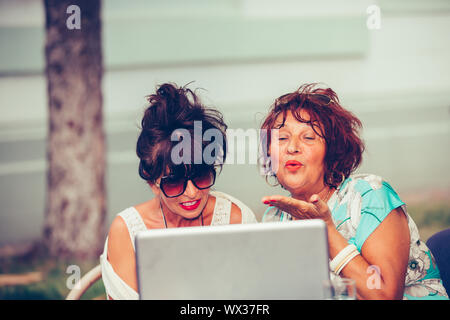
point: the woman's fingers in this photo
(297, 208)
(321, 206)
(272, 199)
(316, 208)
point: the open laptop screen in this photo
(246, 261)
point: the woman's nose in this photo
(191, 190)
(293, 146)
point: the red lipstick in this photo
(293, 165)
(190, 205)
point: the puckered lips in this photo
(190, 205)
(293, 165)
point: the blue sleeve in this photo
(376, 205)
(272, 214)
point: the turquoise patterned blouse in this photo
(358, 207)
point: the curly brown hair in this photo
(339, 128)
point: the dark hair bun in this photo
(171, 108)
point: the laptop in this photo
(260, 261)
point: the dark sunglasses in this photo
(174, 185)
(316, 98)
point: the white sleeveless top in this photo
(115, 287)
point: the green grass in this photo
(53, 286)
(430, 217)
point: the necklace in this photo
(164, 217)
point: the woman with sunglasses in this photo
(313, 151)
(182, 189)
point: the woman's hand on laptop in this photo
(315, 208)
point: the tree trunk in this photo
(76, 195)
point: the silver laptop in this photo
(234, 262)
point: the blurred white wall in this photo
(396, 79)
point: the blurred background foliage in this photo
(50, 280)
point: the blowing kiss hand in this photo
(315, 208)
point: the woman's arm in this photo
(121, 253)
(386, 249)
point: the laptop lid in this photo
(245, 261)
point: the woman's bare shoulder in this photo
(235, 214)
(118, 238)
(121, 252)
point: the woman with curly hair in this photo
(313, 147)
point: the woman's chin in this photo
(191, 213)
(292, 186)
(188, 214)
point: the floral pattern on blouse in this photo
(358, 206)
